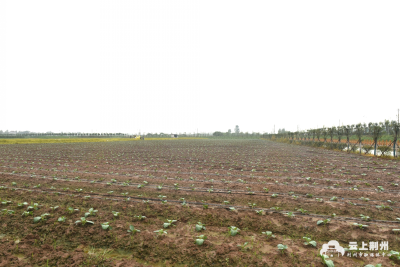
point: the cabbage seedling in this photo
(140, 217)
(27, 213)
(361, 226)
(328, 263)
(35, 206)
(200, 226)
(160, 232)
(309, 241)
(83, 221)
(333, 199)
(71, 210)
(243, 247)
(268, 234)
(364, 218)
(371, 265)
(91, 212)
(54, 208)
(20, 205)
(169, 223)
(290, 214)
(259, 212)
(133, 230)
(233, 230)
(324, 222)
(274, 195)
(282, 248)
(106, 226)
(40, 218)
(61, 219)
(200, 240)
(115, 213)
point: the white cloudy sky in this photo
(179, 66)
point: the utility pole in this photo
(274, 128)
(397, 115)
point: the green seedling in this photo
(35, 206)
(243, 247)
(359, 225)
(232, 208)
(71, 210)
(333, 199)
(371, 265)
(159, 187)
(115, 213)
(110, 192)
(169, 223)
(282, 248)
(324, 222)
(41, 218)
(226, 202)
(200, 227)
(54, 208)
(91, 212)
(290, 214)
(140, 217)
(333, 215)
(380, 189)
(106, 226)
(268, 234)
(265, 190)
(309, 195)
(133, 230)
(200, 240)
(308, 178)
(83, 221)
(61, 219)
(364, 199)
(365, 218)
(274, 195)
(161, 231)
(384, 207)
(276, 208)
(328, 263)
(20, 205)
(309, 241)
(233, 230)
(259, 212)
(319, 200)
(303, 211)
(27, 213)
(252, 205)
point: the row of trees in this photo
(358, 132)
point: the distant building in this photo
(174, 136)
(12, 132)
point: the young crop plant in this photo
(61, 219)
(83, 221)
(383, 207)
(20, 205)
(200, 240)
(159, 187)
(309, 241)
(243, 247)
(35, 206)
(371, 265)
(233, 230)
(303, 211)
(115, 213)
(334, 198)
(319, 200)
(364, 199)
(133, 230)
(309, 195)
(282, 248)
(290, 214)
(359, 225)
(71, 210)
(379, 189)
(161, 232)
(200, 227)
(259, 212)
(365, 218)
(252, 205)
(268, 234)
(324, 222)
(169, 223)
(325, 260)
(41, 217)
(91, 212)
(27, 213)
(140, 217)
(274, 195)
(106, 226)
(265, 190)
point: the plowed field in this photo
(255, 185)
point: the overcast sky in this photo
(179, 66)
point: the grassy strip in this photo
(79, 140)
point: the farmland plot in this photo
(192, 203)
